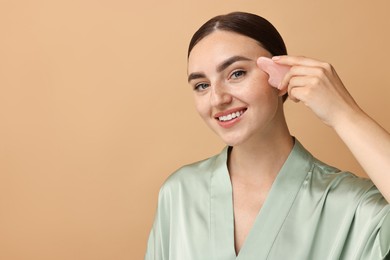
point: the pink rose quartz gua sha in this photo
(275, 71)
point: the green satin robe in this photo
(313, 211)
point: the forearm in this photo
(318, 86)
(370, 144)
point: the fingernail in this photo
(275, 58)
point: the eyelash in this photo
(234, 74)
(203, 86)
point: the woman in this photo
(264, 196)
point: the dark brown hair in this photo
(247, 24)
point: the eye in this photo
(201, 86)
(238, 74)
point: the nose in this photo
(220, 95)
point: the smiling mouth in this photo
(231, 116)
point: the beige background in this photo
(95, 111)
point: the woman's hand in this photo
(318, 86)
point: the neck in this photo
(261, 158)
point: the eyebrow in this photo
(196, 75)
(221, 67)
(230, 61)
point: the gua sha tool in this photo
(275, 71)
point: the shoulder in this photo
(344, 185)
(190, 172)
(193, 177)
(324, 177)
(332, 177)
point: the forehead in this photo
(221, 45)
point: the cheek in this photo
(201, 106)
(262, 81)
(259, 88)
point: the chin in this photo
(231, 137)
(232, 140)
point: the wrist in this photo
(350, 120)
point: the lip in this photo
(227, 112)
(232, 122)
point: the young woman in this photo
(264, 196)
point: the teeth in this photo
(230, 116)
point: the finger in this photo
(294, 84)
(302, 71)
(299, 60)
(301, 87)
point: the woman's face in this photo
(232, 94)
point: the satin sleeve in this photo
(374, 209)
(158, 241)
(384, 236)
(368, 237)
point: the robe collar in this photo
(270, 218)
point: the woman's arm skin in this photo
(318, 86)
